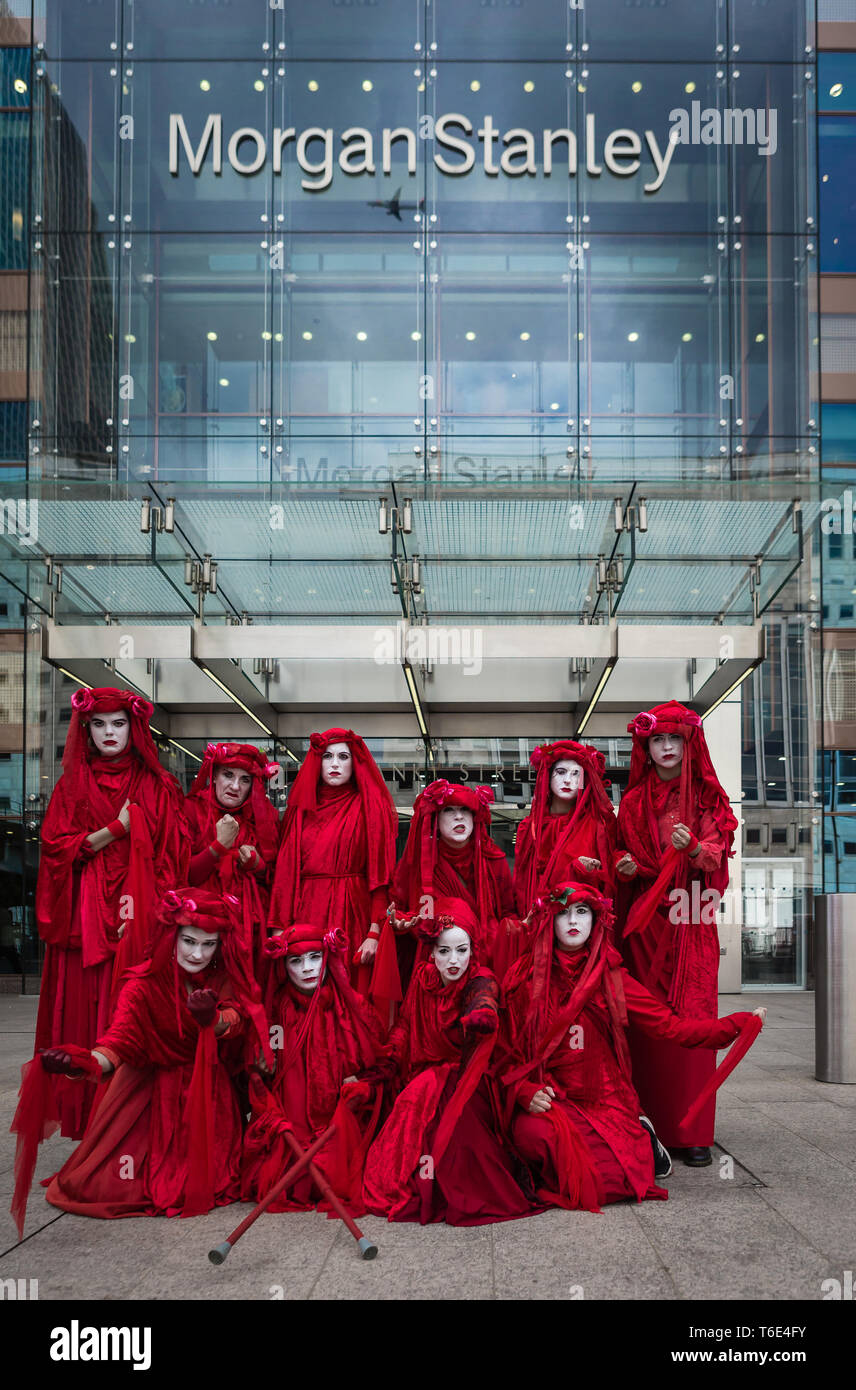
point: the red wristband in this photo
(117, 829)
(218, 849)
(693, 844)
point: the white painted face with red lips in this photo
(566, 780)
(232, 787)
(337, 765)
(110, 732)
(304, 971)
(455, 824)
(572, 926)
(451, 954)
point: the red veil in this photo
(590, 828)
(700, 790)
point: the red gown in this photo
(331, 882)
(678, 963)
(227, 873)
(438, 1157)
(594, 1092)
(341, 1038)
(142, 1142)
(83, 898)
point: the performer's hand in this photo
(57, 1062)
(202, 1003)
(247, 854)
(481, 1021)
(227, 831)
(588, 863)
(760, 1013)
(124, 815)
(682, 836)
(367, 952)
(120, 930)
(627, 866)
(542, 1101)
(262, 1066)
(355, 1092)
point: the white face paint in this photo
(572, 927)
(667, 750)
(566, 780)
(304, 971)
(451, 954)
(232, 787)
(455, 824)
(337, 765)
(195, 948)
(110, 732)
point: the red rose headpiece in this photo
(104, 700)
(592, 801)
(443, 913)
(416, 869)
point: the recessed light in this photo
(312, 85)
(686, 337)
(633, 337)
(689, 87)
(277, 337)
(259, 85)
(636, 86)
(524, 337)
(416, 337)
(760, 337)
(205, 85)
(361, 337)
(307, 336)
(529, 86)
(470, 337)
(267, 336)
(224, 381)
(475, 86)
(836, 89)
(212, 337)
(129, 338)
(554, 405)
(367, 86)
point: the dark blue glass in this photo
(837, 143)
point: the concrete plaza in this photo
(774, 1224)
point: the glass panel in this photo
(837, 157)
(773, 30)
(14, 191)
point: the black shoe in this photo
(662, 1161)
(697, 1158)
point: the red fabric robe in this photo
(142, 1142)
(678, 963)
(594, 1092)
(340, 1039)
(83, 898)
(564, 838)
(323, 873)
(227, 873)
(438, 1157)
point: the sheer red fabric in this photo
(567, 1032)
(165, 1137)
(675, 957)
(337, 856)
(94, 909)
(438, 1157)
(326, 1036)
(476, 872)
(258, 827)
(548, 847)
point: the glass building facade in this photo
(500, 323)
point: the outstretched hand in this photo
(202, 1003)
(57, 1062)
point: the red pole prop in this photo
(367, 1248)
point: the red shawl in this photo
(547, 845)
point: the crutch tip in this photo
(367, 1249)
(217, 1256)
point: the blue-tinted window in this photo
(837, 140)
(14, 154)
(13, 431)
(839, 433)
(836, 82)
(14, 77)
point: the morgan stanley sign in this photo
(512, 153)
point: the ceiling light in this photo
(367, 86)
(205, 85)
(529, 86)
(554, 405)
(825, 179)
(580, 336)
(129, 338)
(632, 337)
(689, 87)
(836, 89)
(267, 336)
(259, 85)
(277, 337)
(307, 336)
(524, 337)
(475, 86)
(212, 337)
(636, 86)
(760, 337)
(470, 337)
(312, 85)
(224, 381)
(20, 85)
(686, 337)
(416, 337)
(361, 337)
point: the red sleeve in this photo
(711, 845)
(379, 904)
(126, 1037)
(202, 866)
(660, 1021)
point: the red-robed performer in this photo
(676, 829)
(570, 831)
(234, 833)
(337, 856)
(113, 841)
(573, 1113)
(450, 854)
(438, 1157)
(164, 1138)
(326, 1034)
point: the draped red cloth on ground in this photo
(438, 1157)
(678, 961)
(83, 898)
(258, 826)
(476, 872)
(548, 847)
(568, 1033)
(328, 1035)
(164, 1138)
(336, 859)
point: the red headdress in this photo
(698, 777)
(446, 913)
(249, 759)
(415, 874)
(592, 801)
(104, 700)
(296, 940)
(381, 818)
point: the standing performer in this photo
(570, 831)
(337, 855)
(438, 1157)
(572, 1110)
(450, 854)
(164, 1138)
(677, 830)
(113, 841)
(234, 830)
(327, 1033)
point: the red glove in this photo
(57, 1062)
(357, 1093)
(202, 1003)
(693, 844)
(480, 1021)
